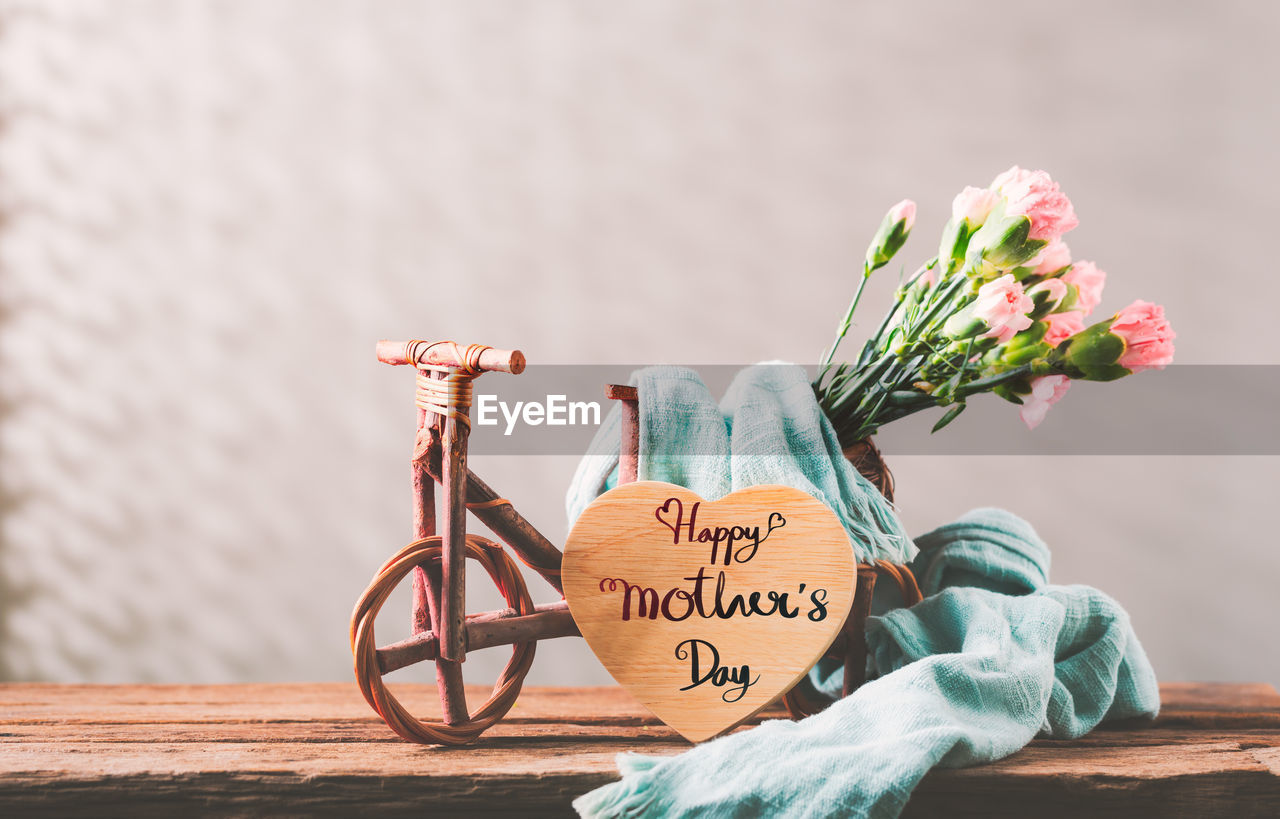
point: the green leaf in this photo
(909, 398)
(1006, 392)
(948, 417)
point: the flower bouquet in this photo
(1000, 309)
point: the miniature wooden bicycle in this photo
(442, 631)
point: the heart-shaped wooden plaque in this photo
(706, 611)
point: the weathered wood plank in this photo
(316, 749)
(319, 701)
(1200, 696)
(547, 793)
(285, 702)
(1216, 779)
(372, 730)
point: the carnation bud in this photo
(955, 240)
(892, 234)
(1025, 347)
(964, 325)
(1002, 243)
(1091, 354)
(1047, 296)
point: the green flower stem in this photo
(944, 297)
(872, 397)
(843, 329)
(873, 343)
(890, 411)
(881, 387)
(865, 378)
(992, 381)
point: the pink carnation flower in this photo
(1148, 337)
(1035, 195)
(1003, 305)
(1010, 177)
(1045, 392)
(1062, 326)
(1089, 281)
(1052, 259)
(974, 205)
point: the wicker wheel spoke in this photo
(505, 575)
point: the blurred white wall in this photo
(210, 210)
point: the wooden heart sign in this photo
(706, 611)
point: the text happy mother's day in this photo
(728, 545)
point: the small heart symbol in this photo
(707, 611)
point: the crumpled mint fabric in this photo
(768, 429)
(987, 549)
(969, 675)
(993, 657)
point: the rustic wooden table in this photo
(316, 748)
